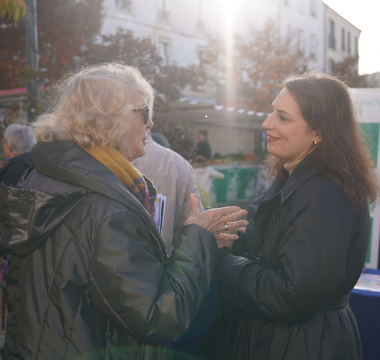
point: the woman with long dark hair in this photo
(284, 288)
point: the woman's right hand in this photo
(215, 220)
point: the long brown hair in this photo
(326, 105)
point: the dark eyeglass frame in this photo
(145, 112)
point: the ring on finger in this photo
(225, 227)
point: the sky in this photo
(365, 15)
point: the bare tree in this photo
(347, 70)
(262, 62)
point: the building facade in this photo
(299, 21)
(178, 28)
(341, 38)
(181, 29)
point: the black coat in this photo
(291, 302)
(204, 149)
(89, 276)
(12, 172)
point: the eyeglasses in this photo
(145, 112)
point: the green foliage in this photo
(15, 9)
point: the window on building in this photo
(313, 47)
(163, 12)
(300, 41)
(330, 66)
(356, 44)
(163, 47)
(199, 13)
(313, 7)
(125, 5)
(331, 34)
(343, 39)
(289, 34)
(349, 43)
(202, 56)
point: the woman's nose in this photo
(267, 124)
(149, 124)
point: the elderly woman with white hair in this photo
(17, 143)
(89, 275)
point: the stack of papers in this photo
(160, 212)
(369, 282)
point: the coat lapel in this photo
(282, 188)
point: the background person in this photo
(203, 147)
(286, 295)
(173, 177)
(17, 143)
(204, 173)
(89, 274)
(160, 139)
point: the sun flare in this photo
(229, 11)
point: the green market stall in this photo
(240, 183)
(368, 113)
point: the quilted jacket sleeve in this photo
(312, 254)
(153, 302)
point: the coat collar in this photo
(65, 161)
(282, 188)
(263, 207)
(305, 170)
(285, 185)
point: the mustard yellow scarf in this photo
(126, 173)
(121, 167)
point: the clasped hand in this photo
(215, 220)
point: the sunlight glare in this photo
(229, 11)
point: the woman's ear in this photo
(317, 137)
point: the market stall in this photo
(241, 183)
(368, 109)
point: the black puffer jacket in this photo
(291, 302)
(89, 275)
(15, 168)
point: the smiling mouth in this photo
(272, 138)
